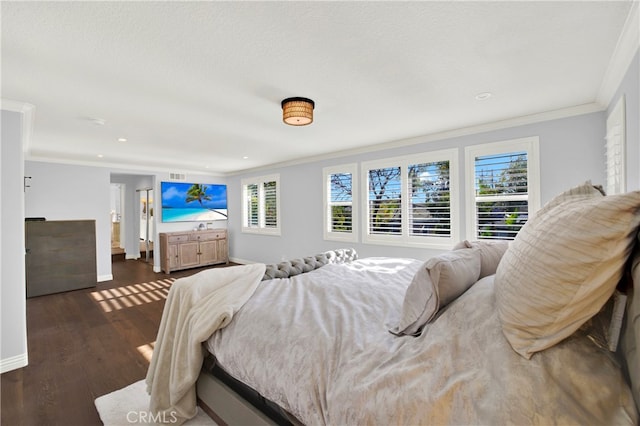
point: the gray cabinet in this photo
(60, 256)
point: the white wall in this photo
(630, 88)
(13, 314)
(571, 151)
(68, 192)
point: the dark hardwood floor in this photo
(86, 343)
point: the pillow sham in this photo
(563, 266)
(581, 192)
(491, 251)
(438, 282)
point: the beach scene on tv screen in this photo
(188, 202)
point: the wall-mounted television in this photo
(193, 202)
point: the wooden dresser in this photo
(192, 249)
(60, 256)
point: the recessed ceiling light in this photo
(122, 139)
(483, 96)
(245, 158)
(100, 155)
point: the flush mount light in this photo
(483, 96)
(297, 111)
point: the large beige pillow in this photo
(438, 282)
(563, 266)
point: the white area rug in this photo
(130, 405)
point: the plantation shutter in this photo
(341, 202)
(252, 205)
(385, 201)
(501, 195)
(270, 204)
(615, 149)
(429, 199)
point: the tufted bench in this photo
(293, 267)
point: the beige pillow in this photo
(581, 192)
(491, 251)
(438, 282)
(563, 266)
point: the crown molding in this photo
(448, 134)
(624, 52)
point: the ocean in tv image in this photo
(193, 202)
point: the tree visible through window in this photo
(340, 187)
(502, 205)
(430, 209)
(409, 199)
(385, 197)
(503, 183)
(341, 202)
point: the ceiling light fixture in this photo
(297, 111)
(122, 139)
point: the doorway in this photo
(146, 223)
(116, 201)
(136, 219)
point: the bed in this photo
(360, 341)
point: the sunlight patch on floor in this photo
(146, 350)
(117, 298)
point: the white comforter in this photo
(318, 345)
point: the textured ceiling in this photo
(196, 86)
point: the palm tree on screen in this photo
(198, 192)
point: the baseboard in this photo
(107, 277)
(132, 257)
(14, 362)
(157, 269)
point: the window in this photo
(412, 200)
(502, 186)
(261, 205)
(339, 209)
(615, 146)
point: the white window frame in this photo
(405, 239)
(531, 145)
(616, 158)
(327, 217)
(261, 228)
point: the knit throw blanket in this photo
(196, 307)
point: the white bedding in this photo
(318, 345)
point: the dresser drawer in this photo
(178, 238)
(208, 236)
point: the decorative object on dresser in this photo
(192, 249)
(60, 255)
